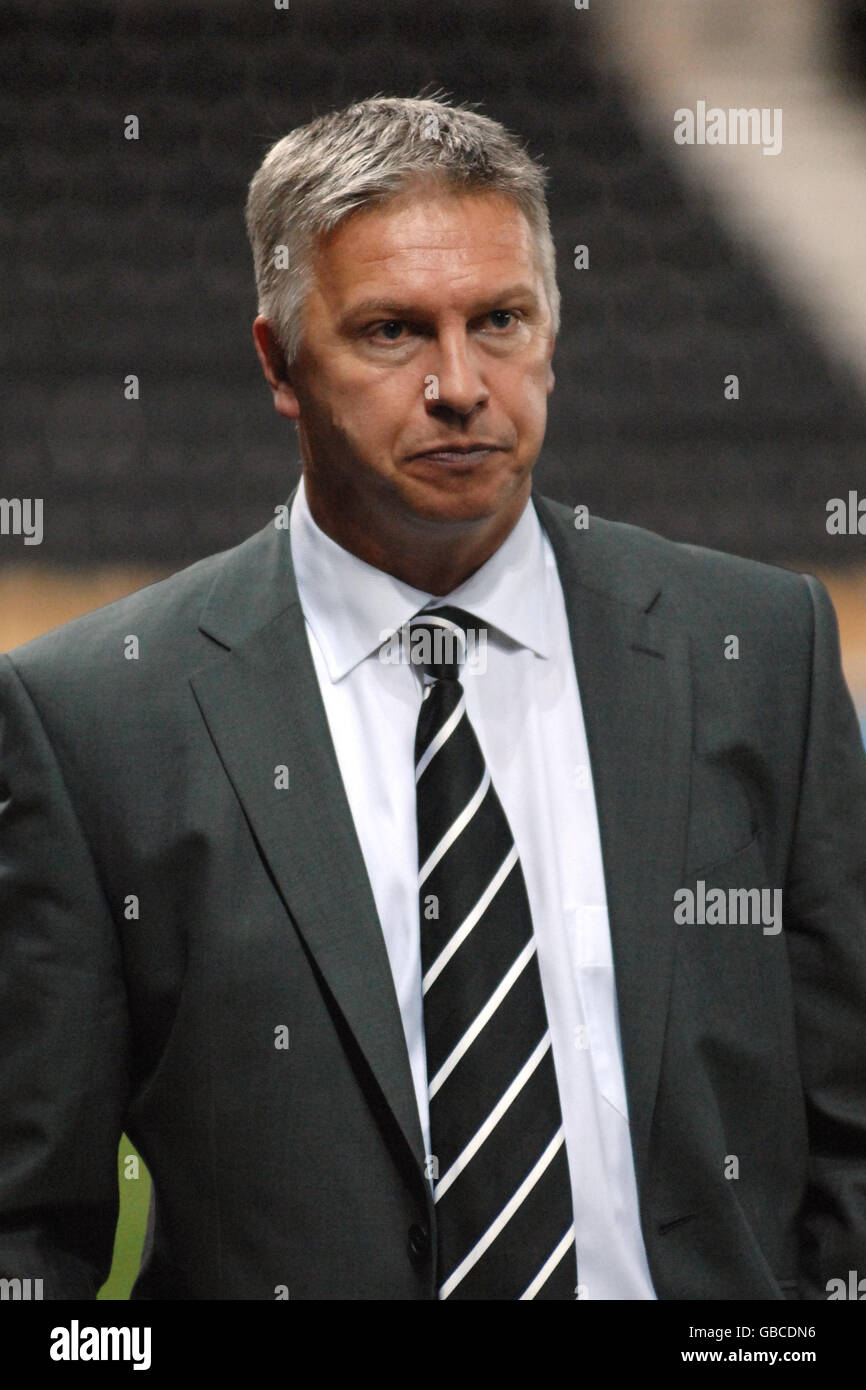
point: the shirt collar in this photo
(351, 606)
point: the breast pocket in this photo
(730, 903)
(749, 847)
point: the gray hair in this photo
(321, 172)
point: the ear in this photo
(551, 379)
(273, 361)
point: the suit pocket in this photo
(725, 859)
(729, 903)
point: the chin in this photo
(479, 504)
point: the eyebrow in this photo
(393, 308)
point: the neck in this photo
(432, 556)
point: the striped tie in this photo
(504, 1211)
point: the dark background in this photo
(130, 257)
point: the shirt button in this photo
(419, 1243)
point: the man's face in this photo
(427, 329)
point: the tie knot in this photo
(439, 638)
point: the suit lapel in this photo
(633, 677)
(262, 705)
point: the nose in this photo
(460, 386)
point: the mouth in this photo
(458, 460)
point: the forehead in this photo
(424, 240)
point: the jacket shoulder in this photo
(638, 566)
(164, 615)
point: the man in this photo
(536, 975)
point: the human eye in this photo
(385, 330)
(504, 320)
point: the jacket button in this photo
(419, 1243)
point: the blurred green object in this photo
(134, 1183)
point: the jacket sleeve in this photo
(825, 919)
(63, 1023)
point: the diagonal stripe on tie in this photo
(505, 1104)
(479, 1023)
(469, 921)
(502, 1188)
(455, 829)
(500, 1223)
(549, 1268)
(486, 1069)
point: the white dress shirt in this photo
(526, 712)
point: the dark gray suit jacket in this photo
(165, 906)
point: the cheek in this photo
(524, 394)
(371, 417)
(385, 409)
(347, 405)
